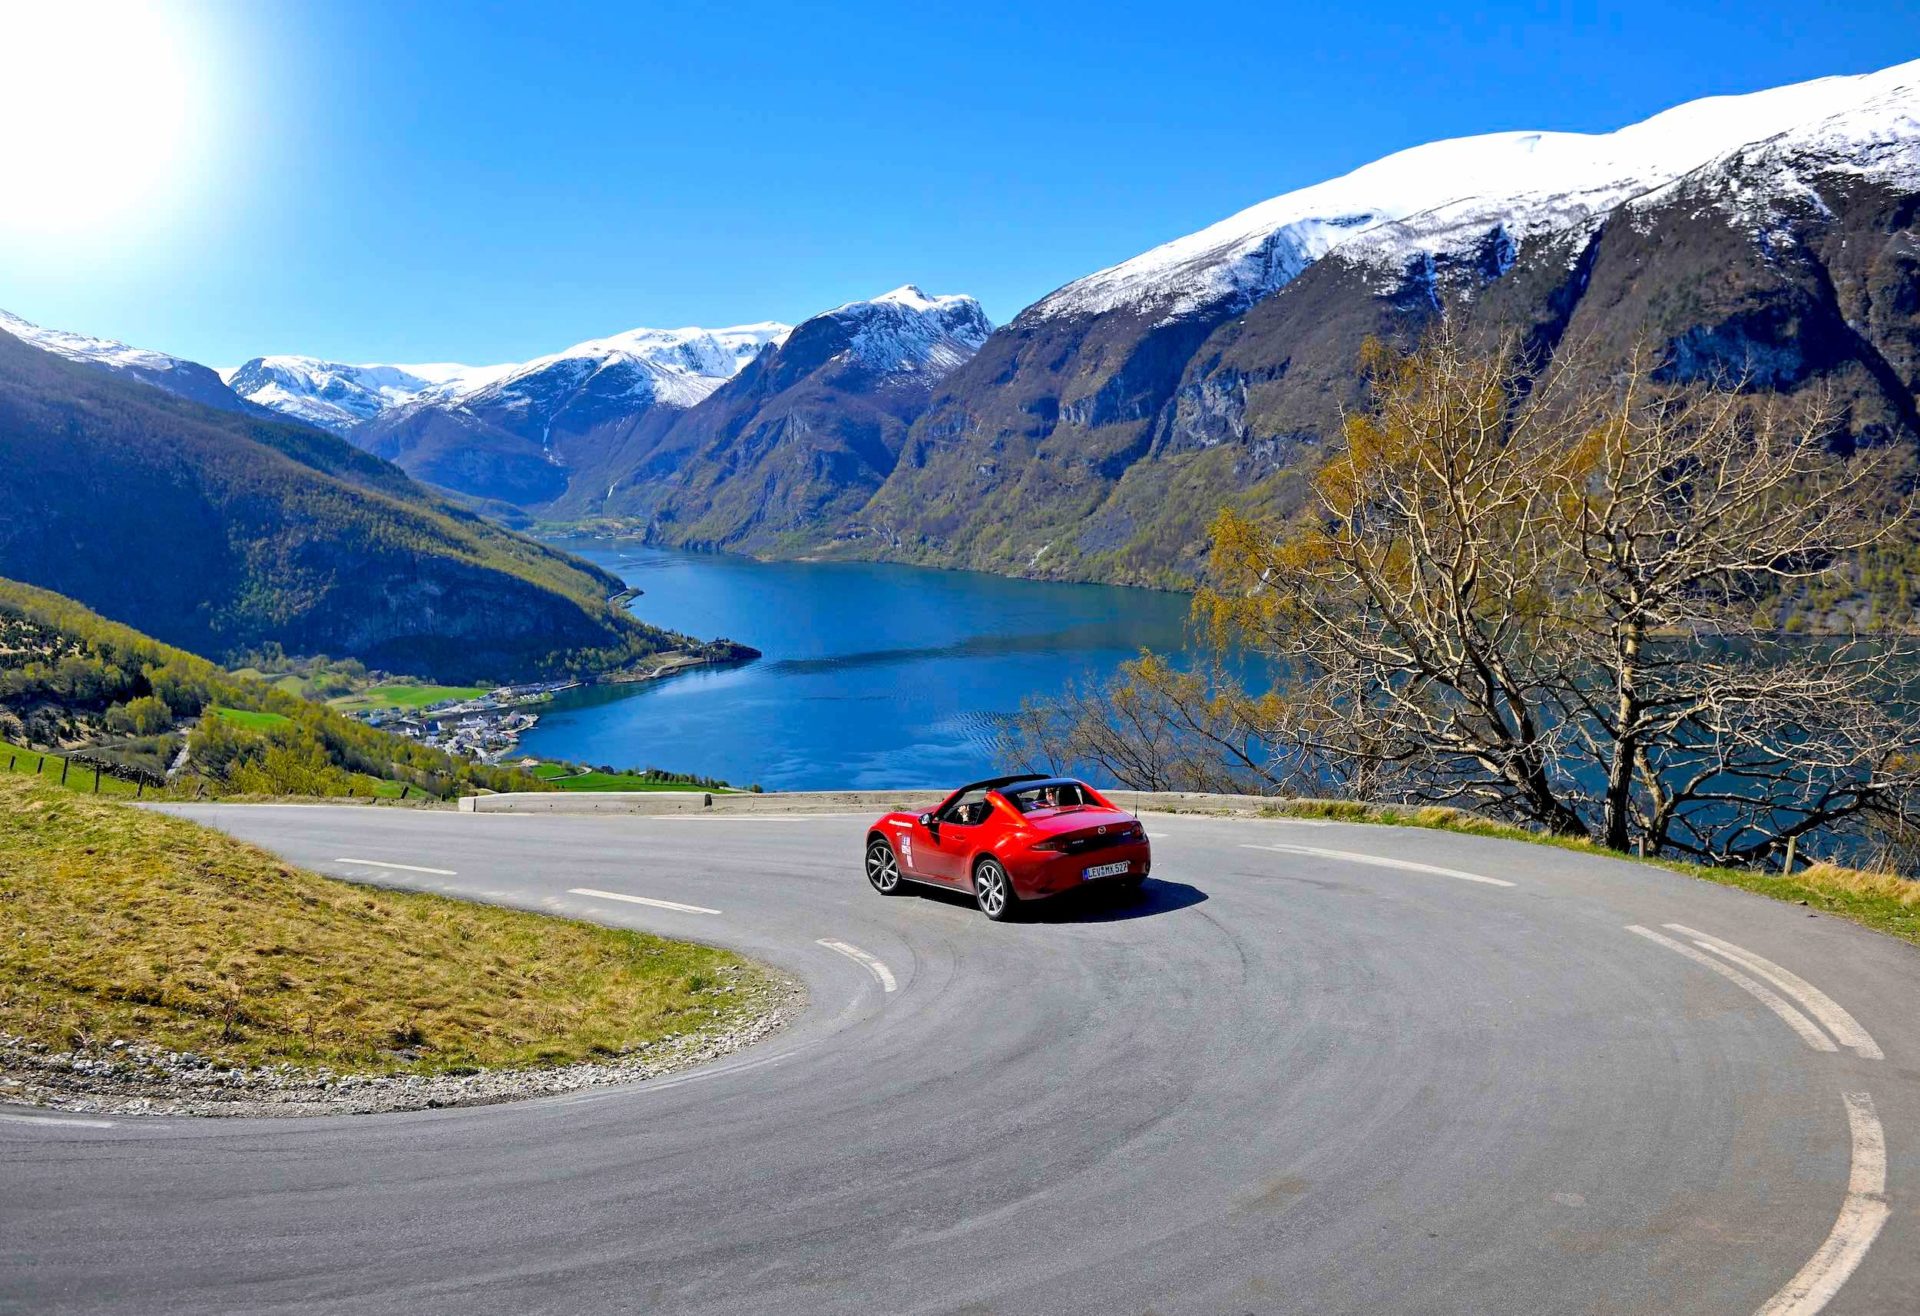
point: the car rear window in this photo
(1049, 795)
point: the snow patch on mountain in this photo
(1532, 182)
(1878, 138)
(638, 368)
(907, 332)
(94, 351)
(675, 367)
(338, 396)
(188, 379)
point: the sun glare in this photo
(107, 108)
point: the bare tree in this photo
(1538, 597)
(1153, 727)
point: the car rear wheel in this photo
(883, 868)
(994, 890)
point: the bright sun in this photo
(107, 117)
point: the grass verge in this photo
(122, 923)
(1885, 902)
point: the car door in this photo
(941, 847)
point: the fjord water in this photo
(874, 675)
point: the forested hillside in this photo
(71, 680)
(217, 531)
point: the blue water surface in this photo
(874, 676)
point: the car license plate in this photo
(1105, 870)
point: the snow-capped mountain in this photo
(1767, 237)
(906, 331)
(802, 437)
(175, 374)
(337, 397)
(518, 434)
(677, 367)
(674, 366)
(1531, 182)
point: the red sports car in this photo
(1010, 840)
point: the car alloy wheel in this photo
(883, 869)
(994, 890)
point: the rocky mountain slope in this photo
(1768, 236)
(529, 434)
(801, 438)
(217, 530)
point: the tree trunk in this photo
(1618, 803)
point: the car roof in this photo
(995, 783)
(1032, 783)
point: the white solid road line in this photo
(1844, 1027)
(1861, 1216)
(640, 900)
(873, 966)
(1800, 1024)
(408, 868)
(62, 1123)
(1353, 856)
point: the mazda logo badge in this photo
(1099, 831)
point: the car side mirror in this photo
(926, 820)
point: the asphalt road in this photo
(1283, 1080)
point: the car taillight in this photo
(1057, 847)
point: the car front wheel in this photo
(994, 890)
(883, 868)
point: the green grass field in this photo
(18, 761)
(567, 779)
(249, 719)
(127, 924)
(398, 694)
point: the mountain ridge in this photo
(218, 530)
(804, 434)
(1767, 236)
(1095, 435)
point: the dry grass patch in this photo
(120, 923)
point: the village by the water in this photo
(486, 728)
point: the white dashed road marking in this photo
(640, 900)
(405, 868)
(1354, 857)
(1800, 1024)
(873, 966)
(1862, 1214)
(1844, 1027)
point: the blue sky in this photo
(489, 182)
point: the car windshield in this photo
(1049, 795)
(967, 810)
